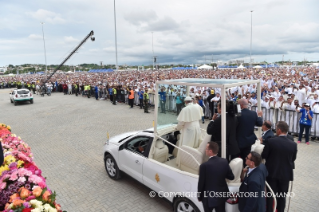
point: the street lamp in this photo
(45, 54)
(115, 37)
(251, 33)
(153, 52)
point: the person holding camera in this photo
(305, 122)
(214, 129)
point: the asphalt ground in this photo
(67, 133)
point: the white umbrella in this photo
(257, 67)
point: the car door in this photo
(131, 157)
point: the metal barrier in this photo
(291, 117)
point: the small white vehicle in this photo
(21, 95)
(156, 158)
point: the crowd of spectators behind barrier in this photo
(283, 90)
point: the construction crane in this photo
(44, 89)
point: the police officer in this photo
(76, 89)
(88, 89)
(114, 95)
(146, 100)
(33, 87)
(29, 86)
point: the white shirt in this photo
(250, 170)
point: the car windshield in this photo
(23, 92)
(169, 97)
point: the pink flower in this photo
(24, 172)
(42, 184)
(14, 176)
(3, 185)
(30, 198)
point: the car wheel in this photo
(111, 167)
(31, 101)
(15, 103)
(184, 205)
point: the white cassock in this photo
(289, 115)
(315, 121)
(188, 125)
(301, 96)
(272, 114)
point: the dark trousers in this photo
(130, 102)
(141, 103)
(96, 95)
(114, 99)
(219, 208)
(244, 152)
(302, 128)
(178, 108)
(111, 98)
(279, 187)
(146, 106)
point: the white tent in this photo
(241, 67)
(205, 67)
(257, 67)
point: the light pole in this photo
(45, 54)
(251, 33)
(153, 51)
(115, 36)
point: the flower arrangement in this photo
(22, 186)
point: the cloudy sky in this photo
(184, 31)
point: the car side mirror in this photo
(121, 147)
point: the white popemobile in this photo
(20, 95)
(156, 158)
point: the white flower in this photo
(10, 206)
(47, 207)
(53, 210)
(36, 210)
(37, 204)
(22, 179)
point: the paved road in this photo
(67, 133)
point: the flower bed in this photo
(22, 187)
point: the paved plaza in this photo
(67, 134)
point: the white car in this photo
(21, 95)
(153, 162)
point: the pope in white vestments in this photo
(188, 124)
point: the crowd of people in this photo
(281, 88)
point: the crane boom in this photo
(68, 57)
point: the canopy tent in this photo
(241, 66)
(257, 67)
(205, 67)
(100, 70)
(41, 72)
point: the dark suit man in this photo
(211, 104)
(212, 175)
(253, 185)
(267, 132)
(280, 154)
(214, 129)
(245, 134)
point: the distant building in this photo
(3, 70)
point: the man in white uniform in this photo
(188, 124)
